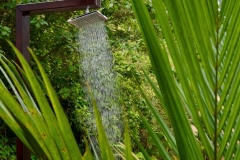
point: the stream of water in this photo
(96, 69)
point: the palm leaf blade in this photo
(161, 123)
(163, 71)
(157, 142)
(61, 118)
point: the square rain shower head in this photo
(87, 19)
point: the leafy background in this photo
(53, 41)
(196, 71)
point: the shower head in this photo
(87, 19)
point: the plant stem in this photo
(216, 93)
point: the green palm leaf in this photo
(42, 126)
(202, 39)
(32, 119)
(127, 141)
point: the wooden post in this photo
(23, 32)
(22, 42)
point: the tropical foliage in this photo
(200, 42)
(42, 126)
(194, 51)
(53, 42)
(30, 115)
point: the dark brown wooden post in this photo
(22, 42)
(23, 13)
(23, 32)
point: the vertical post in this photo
(23, 32)
(22, 42)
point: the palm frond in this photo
(31, 116)
(202, 40)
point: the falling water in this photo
(96, 69)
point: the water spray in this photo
(96, 67)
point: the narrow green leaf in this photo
(118, 151)
(233, 141)
(230, 125)
(167, 86)
(185, 91)
(228, 107)
(23, 120)
(144, 152)
(127, 142)
(189, 62)
(106, 151)
(10, 121)
(47, 142)
(87, 155)
(43, 104)
(237, 155)
(61, 117)
(154, 87)
(156, 140)
(161, 123)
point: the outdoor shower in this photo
(23, 12)
(96, 69)
(87, 19)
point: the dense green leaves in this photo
(46, 135)
(200, 38)
(193, 47)
(41, 126)
(53, 41)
